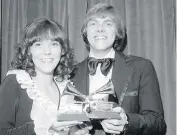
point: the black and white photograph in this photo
(88, 67)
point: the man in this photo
(134, 78)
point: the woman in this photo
(30, 93)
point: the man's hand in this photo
(115, 126)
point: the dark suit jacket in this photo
(137, 89)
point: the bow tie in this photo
(106, 65)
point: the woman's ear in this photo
(117, 33)
(29, 52)
(62, 51)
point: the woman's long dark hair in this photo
(41, 29)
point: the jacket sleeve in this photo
(9, 94)
(150, 119)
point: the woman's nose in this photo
(47, 50)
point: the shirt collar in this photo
(110, 54)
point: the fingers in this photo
(115, 122)
(83, 131)
(113, 126)
(118, 109)
(87, 125)
(66, 123)
(121, 112)
(109, 128)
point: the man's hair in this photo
(104, 10)
(43, 29)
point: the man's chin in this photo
(102, 49)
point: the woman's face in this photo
(101, 32)
(46, 55)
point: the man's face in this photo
(101, 32)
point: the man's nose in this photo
(100, 28)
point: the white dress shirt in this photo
(98, 80)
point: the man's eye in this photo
(92, 23)
(109, 24)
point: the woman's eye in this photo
(37, 44)
(55, 44)
(92, 23)
(109, 24)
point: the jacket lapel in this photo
(121, 74)
(80, 80)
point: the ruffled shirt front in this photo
(43, 111)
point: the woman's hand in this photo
(62, 127)
(82, 129)
(70, 128)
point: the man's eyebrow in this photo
(92, 19)
(112, 21)
(108, 20)
(105, 19)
